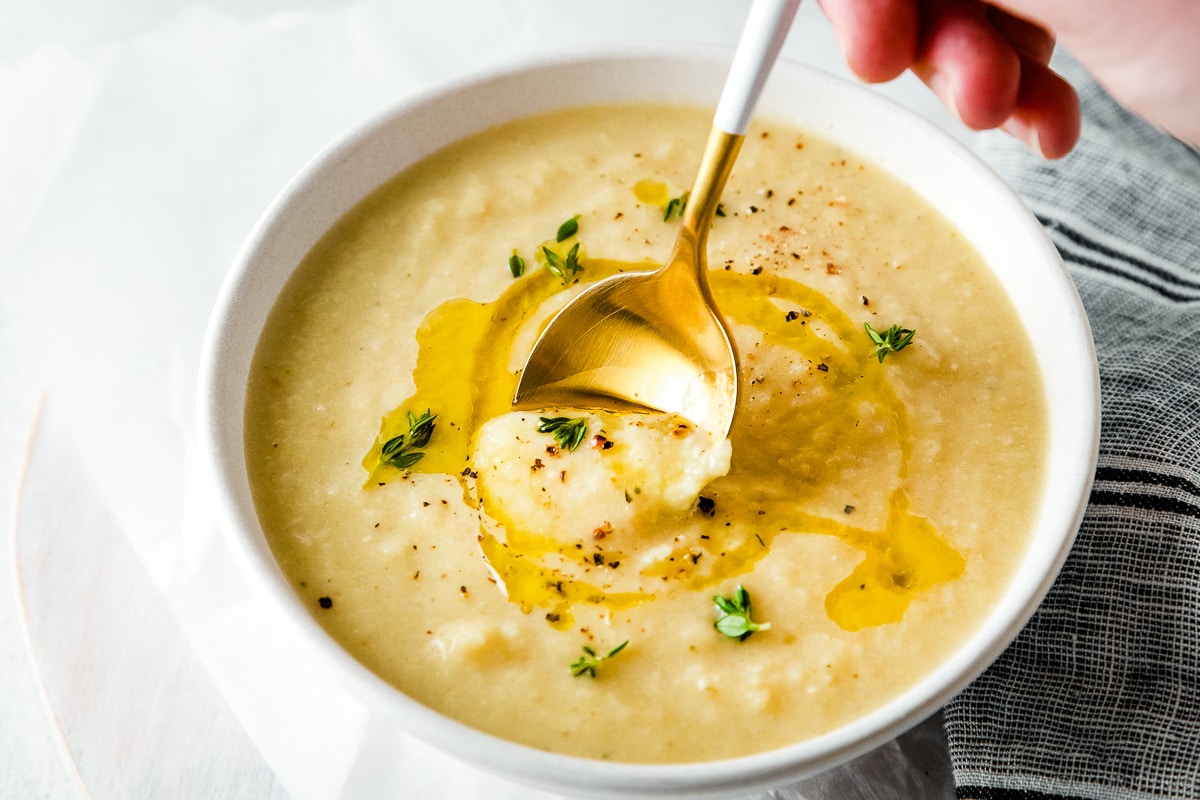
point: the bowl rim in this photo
(220, 424)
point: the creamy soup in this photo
(552, 577)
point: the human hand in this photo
(987, 61)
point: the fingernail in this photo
(1026, 131)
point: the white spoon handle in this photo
(766, 28)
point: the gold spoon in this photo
(655, 340)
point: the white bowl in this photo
(948, 175)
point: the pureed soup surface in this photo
(873, 510)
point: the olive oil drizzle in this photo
(462, 373)
(461, 370)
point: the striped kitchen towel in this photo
(1099, 697)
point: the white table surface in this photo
(139, 142)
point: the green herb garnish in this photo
(567, 229)
(587, 663)
(401, 451)
(563, 268)
(735, 621)
(676, 205)
(516, 264)
(893, 340)
(567, 432)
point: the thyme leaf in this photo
(734, 620)
(567, 229)
(516, 264)
(420, 428)
(567, 432)
(405, 460)
(893, 340)
(587, 663)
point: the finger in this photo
(878, 38)
(970, 66)
(1028, 38)
(1046, 117)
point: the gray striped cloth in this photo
(1099, 697)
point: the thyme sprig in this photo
(403, 451)
(893, 340)
(734, 620)
(567, 432)
(587, 663)
(564, 268)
